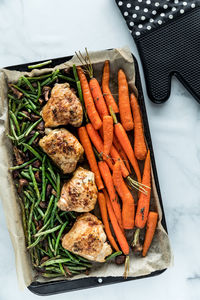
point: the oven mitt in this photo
(167, 34)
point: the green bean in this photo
(82, 258)
(23, 218)
(51, 275)
(14, 106)
(54, 261)
(51, 181)
(33, 138)
(15, 122)
(58, 218)
(39, 77)
(23, 115)
(52, 174)
(43, 193)
(46, 215)
(71, 256)
(19, 82)
(45, 82)
(50, 244)
(44, 226)
(113, 255)
(58, 270)
(40, 65)
(66, 78)
(35, 185)
(57, 198)
(36, 242)
(12, 128)
(21, 90)
(28, 196)
(78, 268)
(80, 94)
(72, 214)
(62, 269)
(29, 223)
(43, 251)
(26, 81)
(23, 165)
(40, 212)
(12, 97)
(31, 105)
(48, 231)
(10, 137)
(39, 91)
(32, 127)
(59, 236)
(34, 152)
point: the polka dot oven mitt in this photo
(167, 34)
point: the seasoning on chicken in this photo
(63, 148)
(79, 193)
(62, 108)
(87, 239)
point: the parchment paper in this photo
(159, 256)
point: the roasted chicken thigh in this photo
(87, 239)
(63, 148)
(62, 108)
(79, 193)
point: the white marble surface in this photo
(31, 30)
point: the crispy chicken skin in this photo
(62, 108)
(63, 148)
(79, 193)
(87, 239)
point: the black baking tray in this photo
(55, 287)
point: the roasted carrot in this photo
(117, 230)
(98, 143)
(128, 206)
(124, 102)
(115, 157)
(150, 230)
(108, 181)
(110, 101)
(89, 103)
(121, 152)
(107, 134)
(140, 148)
(126, 145)
(98, 97)
(85, 141)
(104, 216)
(144, 199)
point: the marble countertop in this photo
(37, 30)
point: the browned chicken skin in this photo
(87, 239)
(62, 108)
(79, 193)
(63, 148)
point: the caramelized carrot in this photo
(97, 142)
(128, 207)
(89, 103)
(107, 178)
(85, 141)
(144, 199)
(110, 101)
(151, 227)
(98, 98)
(126, 145)
(140, 148)
(104, 216)
(124, 102)
(117, 229)
(121, 152)
(107, 134)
